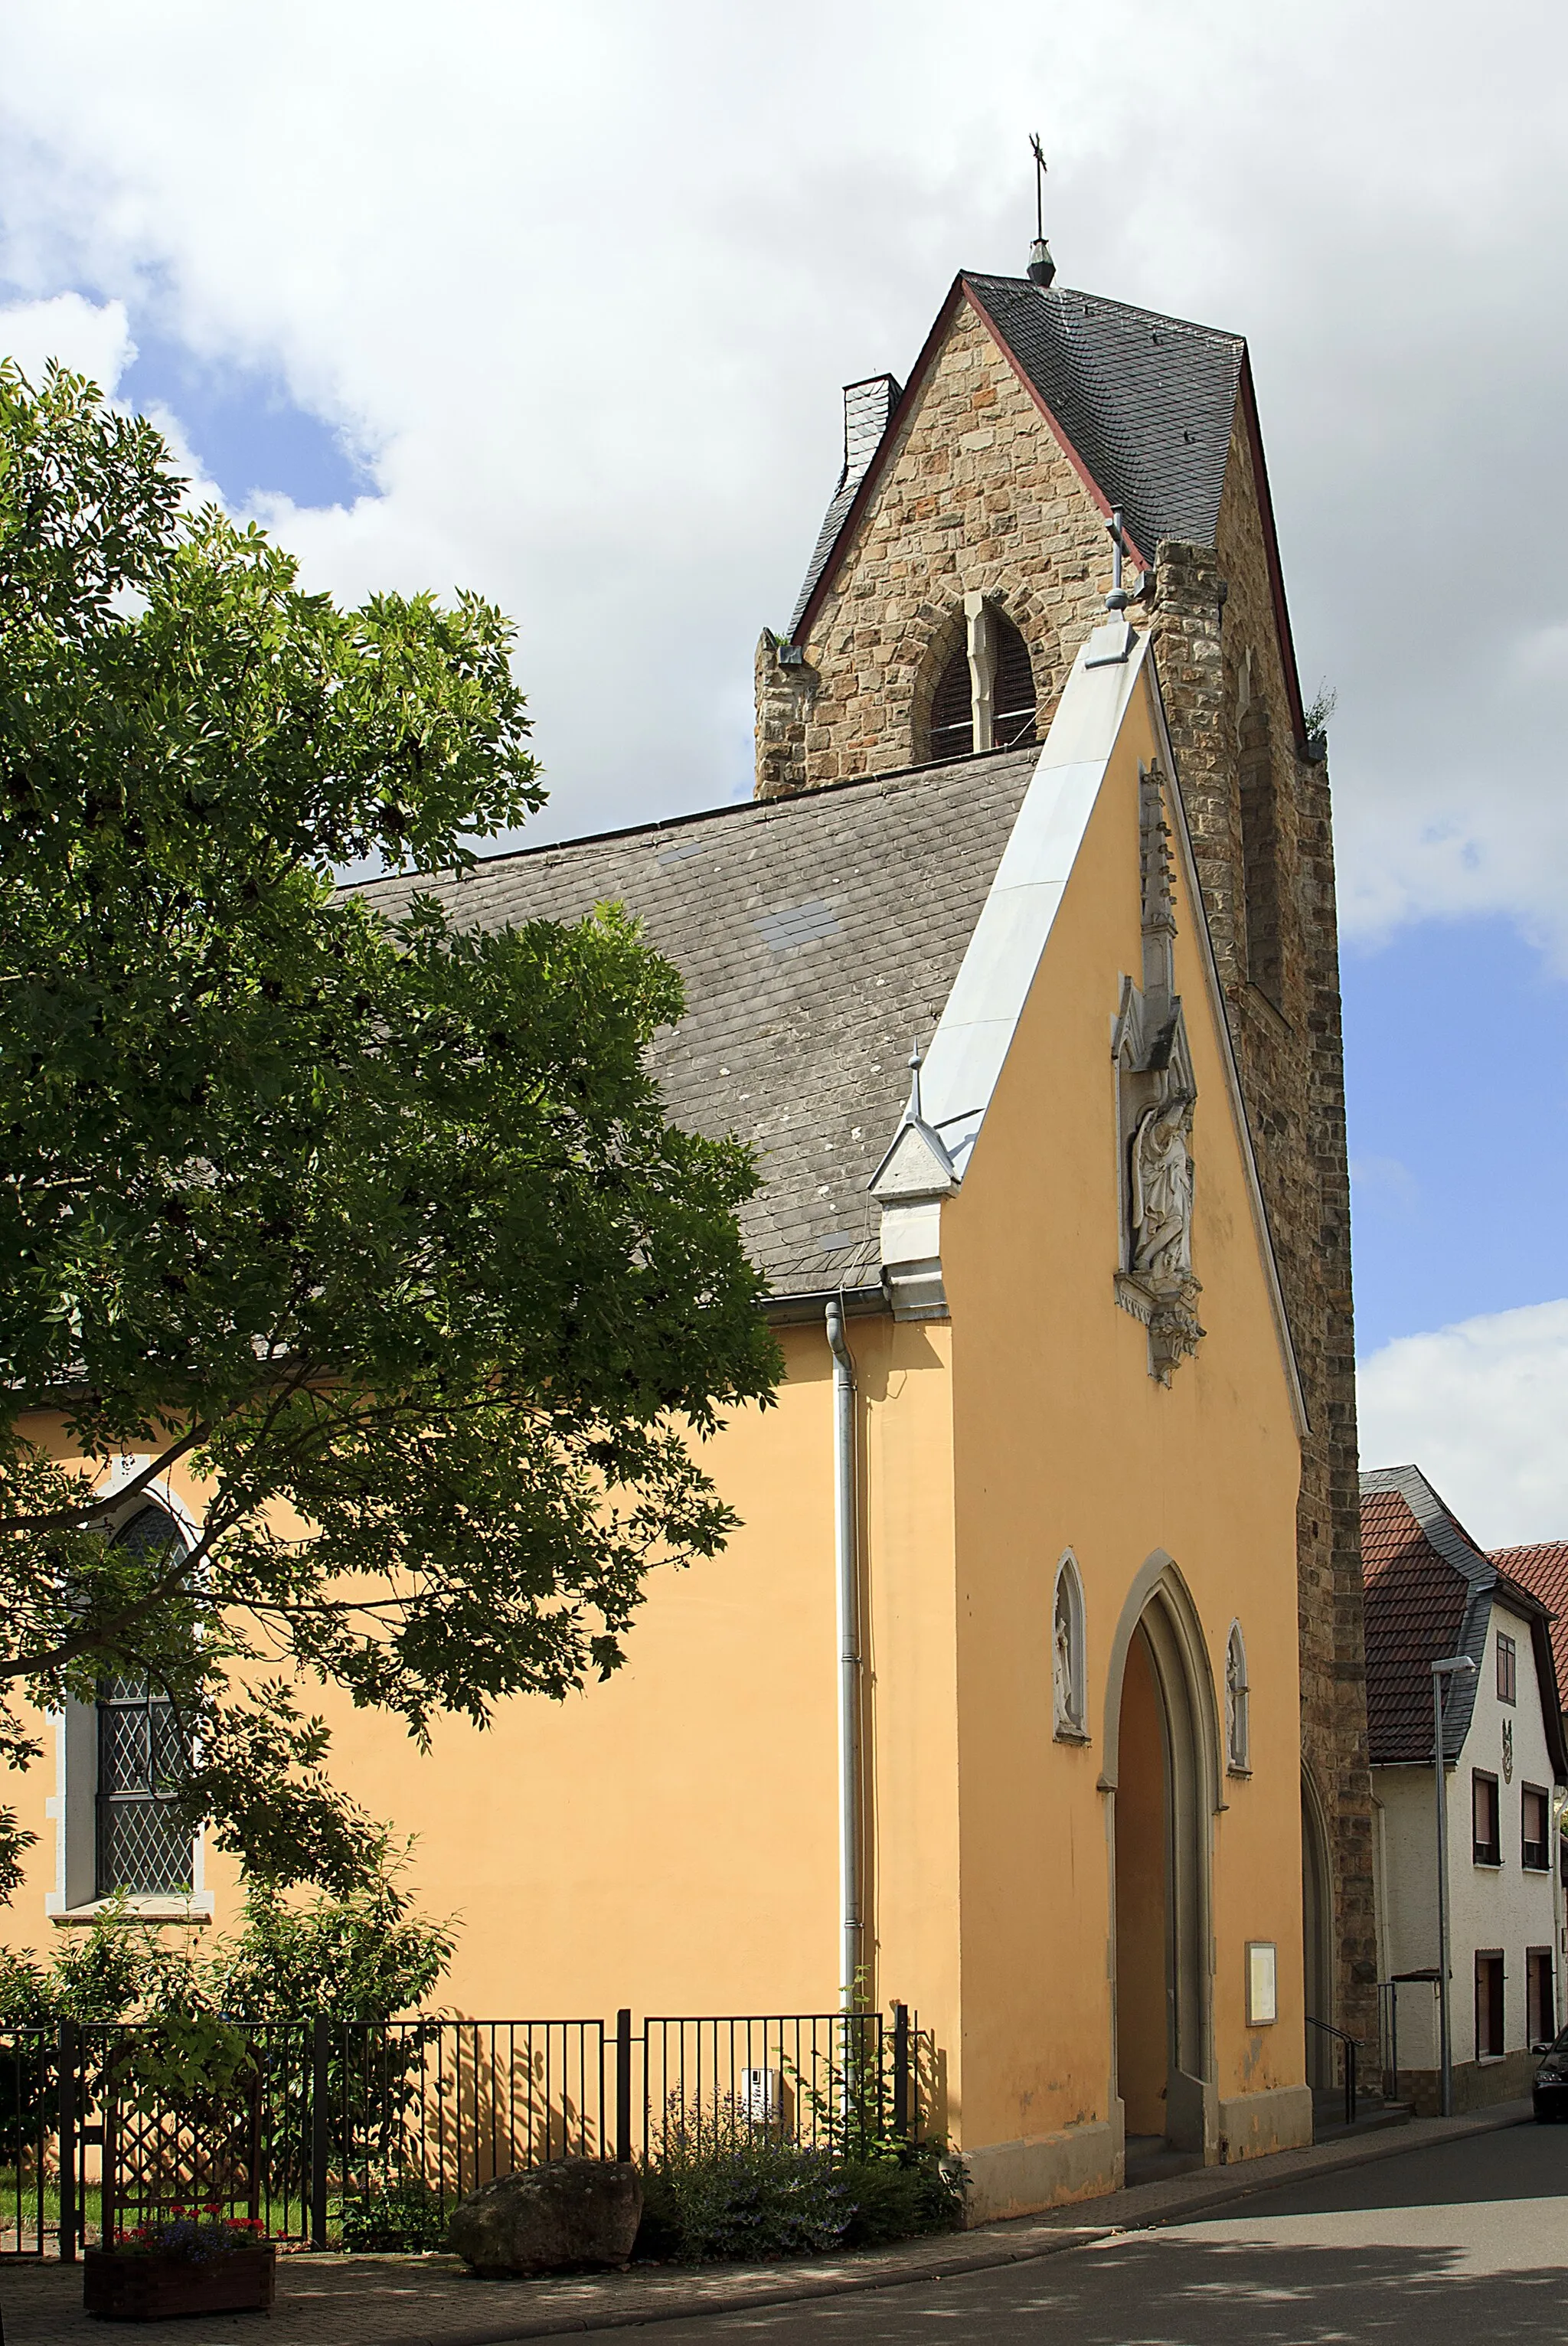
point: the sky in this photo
(557, 304)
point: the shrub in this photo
(905, 2190)
(404, 2214)
(723, 2187)
(757, 2198)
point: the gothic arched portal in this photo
(1162, 1764)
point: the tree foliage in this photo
(375, 1227)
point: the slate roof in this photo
(1429, 1591)
(1147, 400)
(816, 935)
(1543, 1570)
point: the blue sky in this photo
(559, 306)
(249, 435)
(1456, 1071)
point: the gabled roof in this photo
(1143, 403)
(1429, 1591)
(1543, 1570)
(1146, 401)
(817, 937)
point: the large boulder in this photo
(574, 2212)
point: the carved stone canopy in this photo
(1155, 1095)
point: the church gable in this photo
(973, 495)
(1108, 744)
(1031, 414)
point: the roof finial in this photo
(1118, 598)
(913, 1112)
(1041, 268)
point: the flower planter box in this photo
(150, 2288)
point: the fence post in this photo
(902, 2071)
(320, 2129)
(623, 2084)
(68, 2041)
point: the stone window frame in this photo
(73, 1808)
(1069, 1719)
(949, 634)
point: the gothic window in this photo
(1013, 697)
(1238, 1724)
(1015, 687)
(1260, 843)
(142, 1845)
(1068, 1692)
(952, 711)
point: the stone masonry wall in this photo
(978, 496)
(1223, 682)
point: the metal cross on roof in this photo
(1041, 268)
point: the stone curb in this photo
(1020, 2240)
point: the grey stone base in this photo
(1252, 2125)
(1019, 2178)
(1476, 2083)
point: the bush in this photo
(902, 2192)
(722, 2187)
(759, 2198)
(404, 2214)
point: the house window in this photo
(1237, 1700)
(1489, 2006)
(1486, 1832)
(1507, 1669)
(1069, 1702)
(143, 1846)
(1540, 1996)
(1535, 1819)
(1013, 696)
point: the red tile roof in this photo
(1543, 1570)
(1416, 1605)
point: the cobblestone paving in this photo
(435, 2301)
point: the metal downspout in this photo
(848, 1609)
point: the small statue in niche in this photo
(1065, 1691)
(1162, 1191)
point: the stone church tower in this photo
(963, 561)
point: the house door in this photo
(1161, 2002)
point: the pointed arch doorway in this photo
(1162, 1767)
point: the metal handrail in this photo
(1352, 2045)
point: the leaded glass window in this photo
(144, 1848)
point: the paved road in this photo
(1457, 2245)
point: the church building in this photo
(1031, 1691)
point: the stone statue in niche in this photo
(1162, 1190)
(1157, 1090)
(1066, 1693)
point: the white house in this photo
(1433, 1595)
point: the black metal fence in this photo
(364, 2134)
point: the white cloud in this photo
(584, 283)
(1482, 1408)
(91, 338)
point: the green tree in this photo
(379, 1227)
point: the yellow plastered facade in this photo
(669, 1841)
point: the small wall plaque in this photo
(1262, 1983)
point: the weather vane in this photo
(1041, 268)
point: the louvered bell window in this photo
(1013, 697)
(144, 1849)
